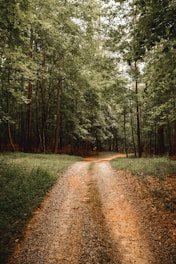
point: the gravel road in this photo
(89, 217)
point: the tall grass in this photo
(24, 181)
(157, 167)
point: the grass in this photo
(24, 181)
(156, 167)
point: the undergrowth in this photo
(24, 181)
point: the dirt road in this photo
(88, 217)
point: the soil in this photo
(95, 215)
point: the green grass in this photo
(24, 181)
(157, 167)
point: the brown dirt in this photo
(93, 159)
(96, 215)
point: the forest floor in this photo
(97, 215)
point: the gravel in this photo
(92, 215)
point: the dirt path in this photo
(88, 218)
(121, 218)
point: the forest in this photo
(80, 76)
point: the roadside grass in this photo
(158, 176)
(156, 167)
(24, 181)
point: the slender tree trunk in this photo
(170, 150)
(43, 91)
(116, 143)
(28, 145)
(38, 136)
(172, 138)
(22, 129)
(161, 146)
(155, 138)
(8, 124)
(10, 137)
(29, 120)
(124, 131)
(132, 129)
(57, 116)
(138, 115)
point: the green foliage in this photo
(58, 41)
(156, 21)
(24, 181)
(60, 67)
(160, 91)
(146, 34)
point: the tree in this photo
(150, 38)
(61, 67)
(157, 21)
(160, 96)
(14, 59)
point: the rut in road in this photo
(86, 218)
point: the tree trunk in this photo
(138, 115)
(161, 146)
(57, 116)
(28, 143)
(132, 130)
(57, 126)
(22, 130)
(43, 91)
(10, 137)
(169, 137)
(124, 130)
(8, 124)
(172, 138)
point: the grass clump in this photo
(24, 181)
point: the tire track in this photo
(121, 218)
(86, 219)
(98, 247)
(54, 234)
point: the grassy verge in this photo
(156, 167)
(157, 176)
(24, 181)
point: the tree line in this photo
(62, 85)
